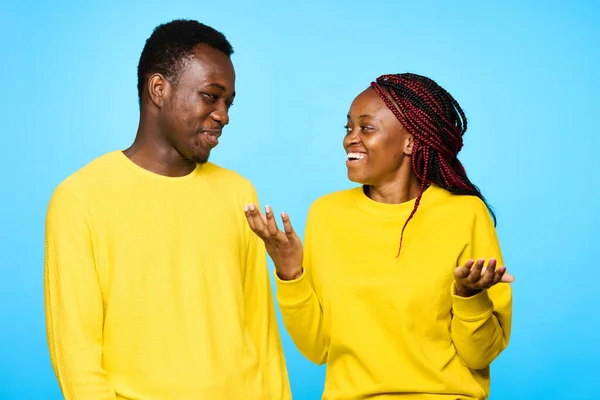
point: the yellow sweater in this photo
(391, 327)
(155, 287)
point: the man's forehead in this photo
(204, 51)
(208, 72)
(209, 64)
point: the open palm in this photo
(284, 247)
(474, 277)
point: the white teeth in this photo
(356, 156)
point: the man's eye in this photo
(210, 96)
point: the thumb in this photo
(461, 272)
(508, 278)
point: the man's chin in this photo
(200, 158)
(200, 161)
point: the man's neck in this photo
(158, 157)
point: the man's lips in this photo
(214, 132)
(212, 136)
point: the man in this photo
(155, 288)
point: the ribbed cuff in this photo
(472, 308)
(290, 293)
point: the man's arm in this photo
(261, 319)
(73, 303)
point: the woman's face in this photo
(377, 144)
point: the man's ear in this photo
(159, 89)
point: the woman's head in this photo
(413, 122)
(377, 144)
(437, 123)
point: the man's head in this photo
(186, 84)
(171, 44)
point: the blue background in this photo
(526, 75)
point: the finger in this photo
(476, 271)
(507, 278)
(270, 222)
(287, 224)
(263, 217)
(260, 226)
(488, 274)
(249, 217)
(461, 273)
(500, 271)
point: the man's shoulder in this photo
(225, 176)
(227, 187)
(91, 173)
(83, 185)
(212, 168)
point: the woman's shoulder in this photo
(462, 204)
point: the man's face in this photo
(195, 109)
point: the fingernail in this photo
(283, 215)
(245, 208)
(251, 206)
(268, 208)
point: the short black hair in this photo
(171, 43)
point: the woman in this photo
(400, 286)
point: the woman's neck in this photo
(394, 192)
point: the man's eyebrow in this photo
(217, 85)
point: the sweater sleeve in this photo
(261, 319)
(301, 309)
(481, 324)
(73, 303)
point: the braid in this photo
(437, 123)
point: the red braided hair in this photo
(437, 123)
